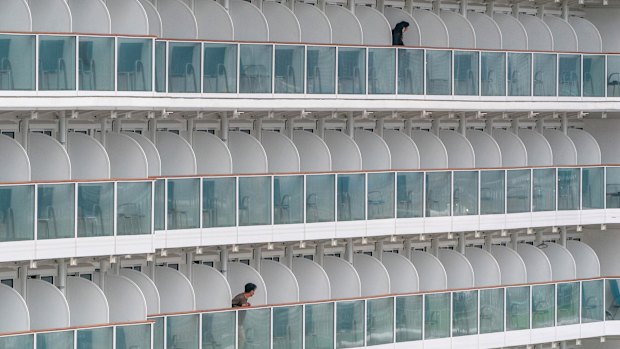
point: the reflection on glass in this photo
(182, 331)
(56, 63)
(543, 309)
(492, 192)
(592, 301)
(255, 69)
(160, 66)
(438, 189)
(218, 330)
(568, 303)
(613, 76)
(134, 64)
(351, 195)
(436, 315)
(96, 63)
(55, 340)
(491, 310)
(287, 327)
(543, 190)
(381, 70)
(410, 195)
(17, 342)
(220, 68)
(465, 313)
(133, 336)
(592, 188)
(351, 70)
(410, 71)
(16, 213)
(545, 74)
(380, 195)
(95, 209)
(438, 72)
(218, 202)
(321, 69)
(254, 330)
(594, 76)
(288, 199)
(160, 204)
(349, 324)
(465, 193)
(319, 326)
(614, 295)
(466, 73)
(96, 338)
(517, 308)
(568, 189)
(408, 318)
(289, 69)
(519, 74)
(254, 201)
(55, 211)
(493, 74)
(183, 67)
(320, 194)
(183, 203)
(17, 62)
(570, 75)
(380, 321)
(158, 332)
(612, 187)
(518, 185)
(133, 211)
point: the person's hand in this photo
(246, 305)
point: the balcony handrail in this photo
(77, 328)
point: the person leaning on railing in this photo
(398, 33)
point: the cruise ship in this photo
(459, 191)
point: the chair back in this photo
(214, 57)
(5, 44)
(180, 57)
(50, 52)
(615, 291)
(86, 52)
(129, 53)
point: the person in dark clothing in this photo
(398, 32)
(241, 300)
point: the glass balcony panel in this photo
(220, 68)
(380, 321)
(570, 75)
(17, 62)
(381, 71)
(17, 342)
(55, 340)
(183, 67)
(492, 189)
(288, 199)
(545, 66)
(543, 309)
(350, 324)
(159, 329)
(134, 64)
(289, 69)
(568, 189)
(218, 330)
(492, 310)
(612, 187)
(320, 195)
(612, 297)
(438, 190)
(493, 74)
(408, 318)
(133, 211)
(438, 72)
(319, 326)
(517, 308)
(613, 76)
(255, 68)
(160, 66)
(95, 209)
(465, 313)
(321, 70)
(183, 203)
(351, 70)
(16, 213)
(519, 74)
(594, 76)
(254, 329)
(351, 197)
(465, 193)
(568, 303)
(380, 195)
(55, 211)
(96, 63)
(160, 204)
(96, 338)
(466, 73)
(592, 309)
(410, 72)
(219, 202)
(133, 336)
(518, 184)
(56, 63)
(543, 191)
(410, 194)
(182, 331)
(592, 188)
(436, 315)
(254, 201)
(288, 327)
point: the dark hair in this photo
(249, 287)
(402, 24)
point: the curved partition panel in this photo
(127, 303)
(403, 150)
(148, 288)
(586, 260)
(343, 278)
(314, 154)
(564, 36)
(240, 274)
(175, 291)
(460, 31)
(211, 288)
(563, 265)
(375, 27)
(430, 271)
(47, 306)
(539, 151)
(282, 155)
(15, 316)
(50, 16)
(89, 159)
(49, 160)
(87, 302)
(90, 16)
(11, 152)
(511, 265)
(128, 17)
(403, 274)
(127, 159)
(588, 37)
(281, 283)
(433, 153)
(214, 22)
(375, 151)
(283, 25)
(514, 153)
(248, 22)
(345, 154)
(539, 36)
(588, 150)
(154, 19)
(536, 263)
(433, 31)
(604, 244)
(486, 269)
(314, 24)
(248, 155)
(177, 156)
(514, 35)
(373, 275)
(486, 150)
(488, 34)
(15, 16)
(346, 29)
(394, 15)
(460, 151)
(312, 280)
(459, 271)
(212, 155)
(150, 150)
(177, 20)
(562, 148)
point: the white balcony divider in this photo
(214, 22)
(48, 158)
(89, 159)
(486, 269)
(486, 149)
(460, 30)
(433, 31)
(126, 300)
(430, 270)
(314, 154)
(345, 154)
(512, 267)
(155, 26)
(15, 16)
(282, 155)
(514, 35)
(15, 315)
(403, 151)
(148, 288)
(459, 271)
(90, 16)
(374, 277)
(283, 25)
(514, 153)
(211, 288)
(280, 281)
(249, 23)
(175, 290)
(178, 20)
(152, 155)
(346, 28)
(403, 274)
(212, 155)
(47, 306)
(588, 36)
(562, 147)
(51, 16)
(460, 151)
(313, 281)
(564, 36)
(127, 158)
(588, 150)
(539, 35)
(11, 152)
(248, 155)
(536, 262)
(586, 260)
(88, 304)
(314, 24)
(375, 152)
(177, 155)
(433, 153)
(240, 274)
(539, 152)
(563, 265)
(375, 27)
(343, 278)
(488, 34)
(128, 16)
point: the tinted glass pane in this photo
(410, 194)
(408, 318)
(289, 69)
(543, 190)
(592, 301)
(319, 326)
(182, 332)
(160, 204)
(612, 187)
(410, 72)
(438, 72)
(436, 315)
(288, 199)
(517, 308)
(438, 189)
(220, 68)
(568, 303)
(287, 327)
(519, 74)
(254, 330)
(55, 211)
(351, 70)
(465, 313)
(218, 330)
(160, 66)
(493, 74)
(594, 76)
(351, 195)
(320, 198)
(380, 195)
(96, 63)
(466, 73)
(183, 203)
(56, 63)
(133, 208)
(255, 69)
(570, 75)
(183, 67)
(518, 184)
(492, 192)
(465, 193)
(135, 336)
(159, 329)
(17, 342)
(350, 324)
(134, 64)
(543, 309)
(568, 189)
(381, 71)
(218, 202)
(55, 340)
(491, 310)
(613, 76)
(321, 69)
(380, 321)
(17, 62)
(592, 188)
(545, 74)
(95, 209)
(254, 200)
(97, 338)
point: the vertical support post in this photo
(563, 234)
(224, 261)
(189, 265)
(350, 124)
(224, 127)
(381, 5)
(150, 269)
(514, 126)
(564, 123)
(288, 127)
(490, 10)
(565, 10)
(319, 253)
(190, 131)
(488, 242)
(514, 240)
(22, 277)
(488, 127)
(152, 126)
(348, 254)
(463, 8)
(288, 254)
(258, 256)
(258, 129)
(116, 125)
(104, 265)
(435, 247)
(406, 252)
(437, 6)
(462, 242)
(379, 250)
(62, 129)
(320, 128)
(540, 125)
(515, 9)
(24, 129)
(380, 126)
(462, 124)
(104, 126)
(540, 13)
(408, 126)
(435, 126)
